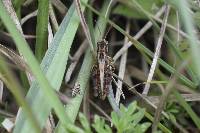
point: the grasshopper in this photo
(101, 71)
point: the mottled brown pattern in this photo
(108, 68)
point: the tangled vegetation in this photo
(83, 66)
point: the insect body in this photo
(102, 70)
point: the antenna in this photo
(110, 27)
(108, 31)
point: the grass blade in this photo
(42, 29)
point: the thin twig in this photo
(182, 33)
(53, 17)
(187, 97)
(84, 25)
(178, 27)
(52, 121)
(27, 17)
(6, 114)
(112, 102)
(50, 34)
(139, 74)
(138, 35)
(27, 2)
(14, 57)
(122, 68)
(50, 125)
(25, 36)
(76, 58)
(157, 52)
(60, 6)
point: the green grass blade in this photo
(42, 29)
(53, 65)
(91, 27)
